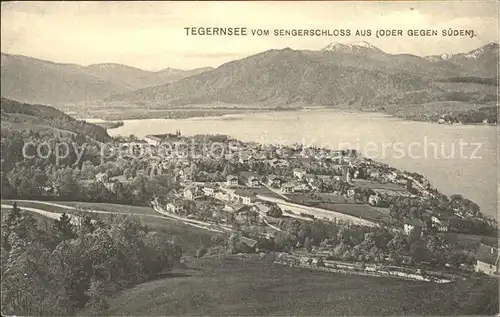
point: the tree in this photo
(67, 186)
(227, 170)
(418, 251)
(71, 265)
(201, 252)
(27, 287)
(415, 235)
(217, 239)
(97, 303)
(23, 225)
(456, 199)
(6, 188)
(398, 244)
(14, 215)
(321, 262)
(87, 226)
(307, 244)
(474, 209)
(63, 228)
(234, 242)
(274, 212)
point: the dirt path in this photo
(52, 215)
(84, 210)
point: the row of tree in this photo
(355, 243)
(66, 268)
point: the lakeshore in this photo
(363, 131)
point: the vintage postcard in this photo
(249, 158)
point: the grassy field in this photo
(139, 210)
(358, 210)
(190, 237)
(364, 211)
(265, 191)
(230, 286)
(376, 185)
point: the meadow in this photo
(231, 286)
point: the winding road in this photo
(74, 218)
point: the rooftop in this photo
(247, 174)
(152, 137)
(250, 242)
(487, 254)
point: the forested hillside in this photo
(29, 118)
(58, 268)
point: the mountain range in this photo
(280, 77)
(339, 73)
(33, 80)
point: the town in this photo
(316, 205)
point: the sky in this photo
(151, 35)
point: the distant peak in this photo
(362, 44)
(474, 54)
(111, 66)
(332, 46)
(447, 56)
(350, 47)
(106, 65)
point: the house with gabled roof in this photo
(246, 158)
(250, 179)
(273, 181)
(441, 223)
(191, 192)
(411, 225)
(487, 260)
(209, 189)
(288, 187)
(232, 181)
(251, 243)
(102, 177)
(244, 196)
(152, 140)
(299, 173)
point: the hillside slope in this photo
(366, 56)
(28, 117)
(33, 80)
(279, 77)
(229, 287)
(36, 81)
(135, 78)
(337, 74)
(480, 62)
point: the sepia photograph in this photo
(249, 158)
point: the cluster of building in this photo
(236, 197)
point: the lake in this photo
(457, 159)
